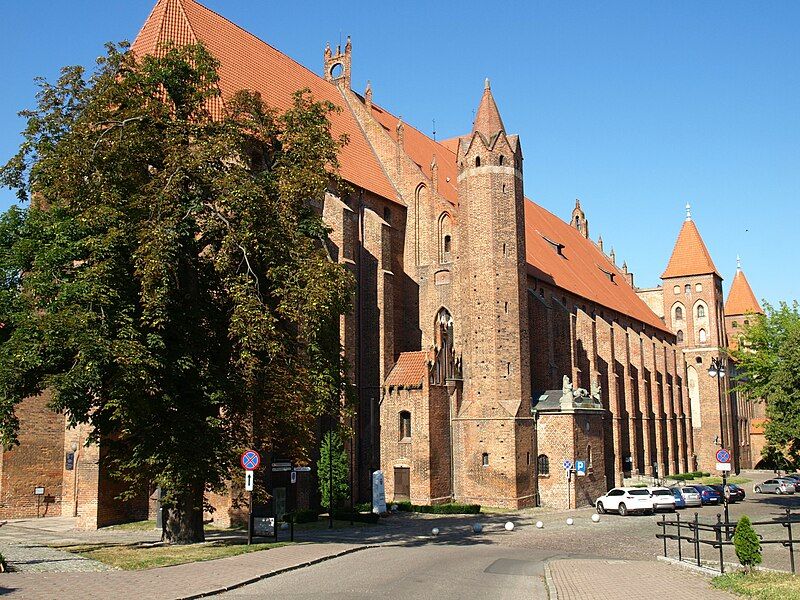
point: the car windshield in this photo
(689, 491)
(661, 493)
(639, 493)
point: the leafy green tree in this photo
(168, 280)
(332, 446)
(768, 367)
(746, 543)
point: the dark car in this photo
(679, 501)
(737, 493)
(708, 495)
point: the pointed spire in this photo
(613, 257)
(487, 119)
(600, 243)
(688, 212)
(741, 299)
(690, 256)
(368, 94)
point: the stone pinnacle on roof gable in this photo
(487, 119)
(690, 256)
(741, 299)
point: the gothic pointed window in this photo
(680, 336)
(445, 238)
(405, 425)
(701, 311)
(702, 336)
(678, 314)
(444, 362)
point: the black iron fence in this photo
(691, 535)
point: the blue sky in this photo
(634, 107)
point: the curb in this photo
(234, 586)
(687, 566)
(552, 592)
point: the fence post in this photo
(664, 532)
(718, 528)
(678, 523)
(696, 539)
(788, 526)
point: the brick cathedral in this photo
(490, 340)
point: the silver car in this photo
(776, 486)
(691, 497)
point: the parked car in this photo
(625, 500)
(662, 499)
(691, 497)
(708, 495)
(776, 486)
(794, 476)
(679, 501)
(737, 493)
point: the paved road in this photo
(432, 571)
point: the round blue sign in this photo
(723, 456)
(250, 460)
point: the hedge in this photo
(688, 476)
(451, 508)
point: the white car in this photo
(625, 500)
(662, 498)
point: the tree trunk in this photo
(183, 521)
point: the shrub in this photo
(308, 515)
(3, 564)
(363, 507)
(747, 544)
(332, 446)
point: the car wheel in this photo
(600, 509)
(778, 491)
(758, 489)
(623, 510)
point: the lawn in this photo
(761, 585)
(135, 557)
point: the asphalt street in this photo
(431, 571)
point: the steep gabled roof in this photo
(690, 255)
(579, 266)
(247, 62)
(741, 299)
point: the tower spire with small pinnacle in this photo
(738, 263)
(688, 212)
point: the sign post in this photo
(567, 464)
(250, 461)
(724, 465)
(38, 491)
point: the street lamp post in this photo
(717, 370)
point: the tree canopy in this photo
(768, 367)
(168, 279)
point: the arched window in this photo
(485, 459)
(698, 287)
(702, 336)
(543, 465)
(445, 238)
(444, 362)
(589, 455)
(678, 313)
(701, 311)
(680, 336)
(677, 290)
(405, 424)
(477, 161)
(687, 289)
(502, 160)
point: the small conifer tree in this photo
(332, 446)
(747, 544)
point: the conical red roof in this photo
(487, 119)
(741, 299)
(690, 255)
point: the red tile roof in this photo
(690, 255)
(247, 62)
(741, 299)
(581, 268)
(409, 371)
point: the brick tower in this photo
(693, 309)
(493, 427)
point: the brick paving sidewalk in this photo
(586, 579)
(180, 581)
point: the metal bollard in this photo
(718, 528)
(696, 539)
(678, 523)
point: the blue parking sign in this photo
(580, 467)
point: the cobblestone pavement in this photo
(180, 581)
(581, 579)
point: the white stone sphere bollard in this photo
(570, 521)
(509, 526)
(477, 528)
(596, 518)
(435, 531)
(539, 524)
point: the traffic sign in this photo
(248, 481)
(723, 456)
(723, 466)
(250, 460)
(567, 464)
(580, 467)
